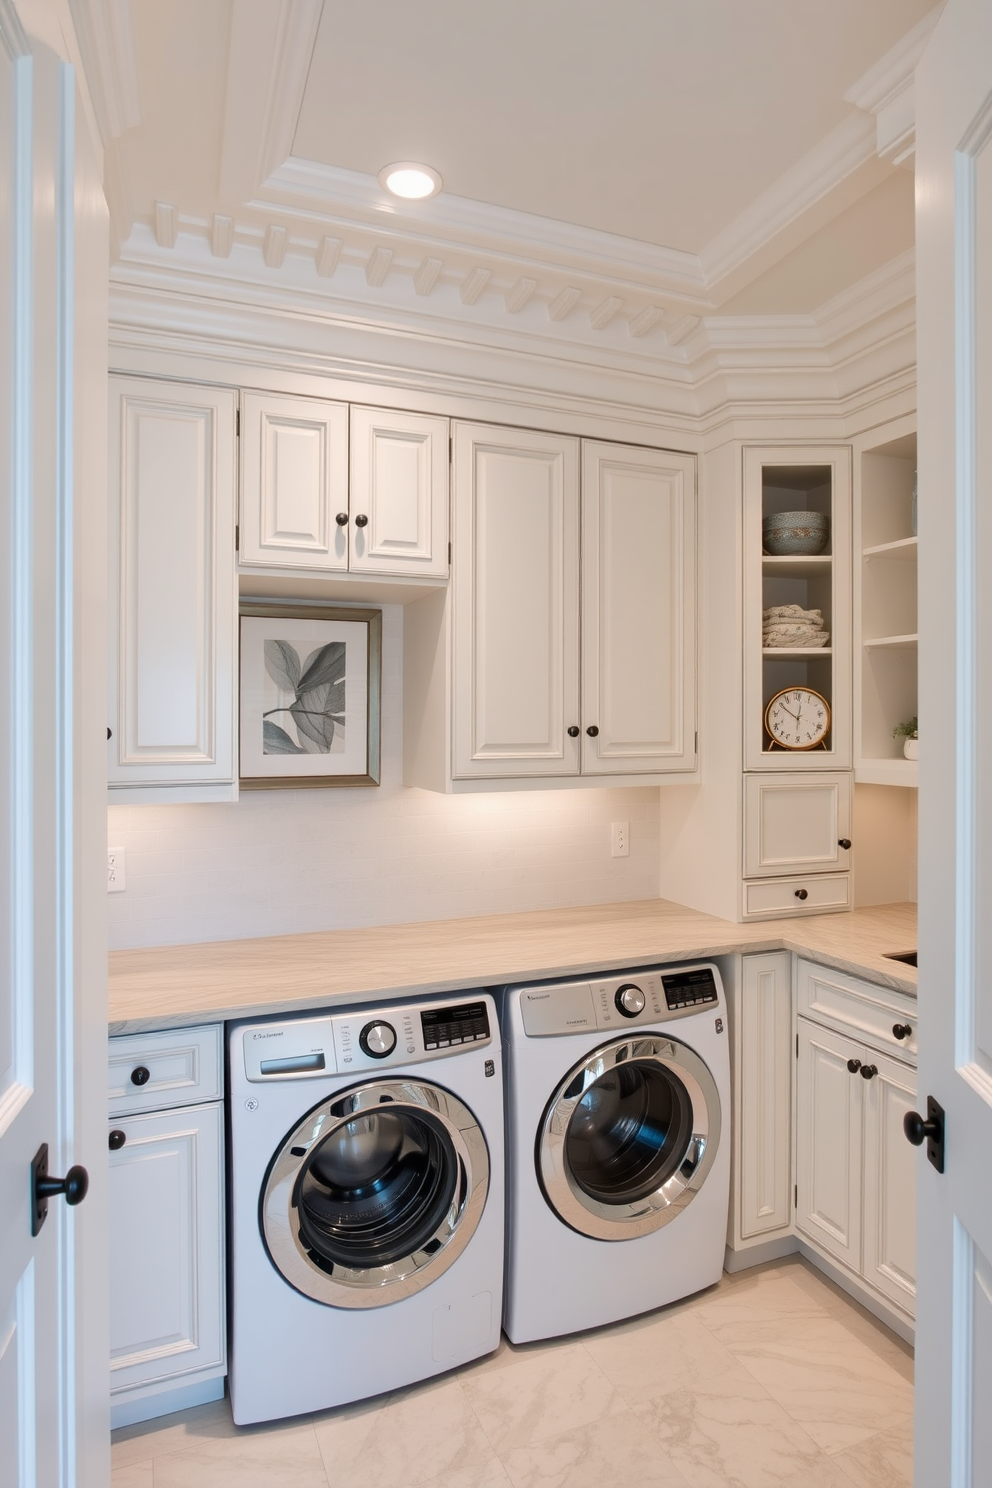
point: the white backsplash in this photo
(283, 862)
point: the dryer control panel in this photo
(374, 1038)
(618, 1002)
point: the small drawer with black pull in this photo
(154, 1071)
(881, 1016)
(767, 898)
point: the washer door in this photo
(628, 1137)
(375, 1193)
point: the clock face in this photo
(798, 718)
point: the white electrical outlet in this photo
(620, 840)
(116, 870)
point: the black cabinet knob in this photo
(592, 731)
(110, 733)
(140, 1075)
(573, 732)
(342, 519)
(902, 1030)
(854, 1065)
(869, 1071)
(844, 842)
(802, 893)
(117, 1139)
(361, 520)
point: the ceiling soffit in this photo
(299, 225)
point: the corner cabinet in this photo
(572, 618)
(173, 606)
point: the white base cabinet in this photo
(761, 1032)
(168, 1342)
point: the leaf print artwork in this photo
(304, 704)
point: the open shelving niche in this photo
(803, 580)
(886, 616)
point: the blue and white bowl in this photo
(797, 532)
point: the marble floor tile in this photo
(659, 1354)
(718, 1441)
(767, 1295)
(855, 1318)
(833, 1385)
(604, 1454)
(537, 1399)
(257, 1457)
(883, 1461)
(171, 1433)
(416, 1436)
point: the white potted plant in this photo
(908, 732)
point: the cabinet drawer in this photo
(184, 1068)
(781, 896)
(796, 823)
(860, 1008)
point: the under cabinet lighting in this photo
(407, 179)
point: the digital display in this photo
(466, 1023)
(293, 1066)
(690, 988)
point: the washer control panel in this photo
(656, 996)
(308, 1048)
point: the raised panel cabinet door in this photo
(796, 824)
(829, 1106)
(515, 578)
(399, 484)
(167, 1307)
(890, 1183)
(638, 610)
(173, 610)
(294, 483)
(764, 1058)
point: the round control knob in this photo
(629, 1000)
(377, 1039)
(140, 1076)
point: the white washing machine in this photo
(366, 1202)
(618, 1146)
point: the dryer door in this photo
(375, 1193)
(628, 1137)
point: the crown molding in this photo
(105, 35)
(887, 92)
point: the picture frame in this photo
(310, 680)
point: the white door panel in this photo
(829, 1142)
(294, 483)
(953, 95)
(638, 608)
(516, 539)
(796, 824)
(399, 482)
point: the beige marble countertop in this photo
(176, 986)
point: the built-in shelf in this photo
(787, 653)
(796, 566)
(887, 772)
(894, 643)
(903, 551)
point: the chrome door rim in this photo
(628, 1221)
(375, 1286)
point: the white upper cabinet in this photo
(399, 493)
(523, 613)
(294, 483)
(796, 824)
(516, 588)
(638, 610)
(173, 598)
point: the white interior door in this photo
(53, 275)
(954, 309)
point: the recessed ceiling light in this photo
(408, 179)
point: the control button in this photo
(629, 1000)
(442, 1043)
(377, 1039)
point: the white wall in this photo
(282, 862)
(884, 831)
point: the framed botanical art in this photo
(310, 679)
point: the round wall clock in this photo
(797, 718)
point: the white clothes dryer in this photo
(618, 1146)
(366, 1201)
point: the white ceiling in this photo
(611, 173)
(656, 119)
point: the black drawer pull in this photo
(140, 1075)
(902, 1031)
(854, 1065)
(342, 519)
(802, 893)
(117, 1139)
(869, 1071)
